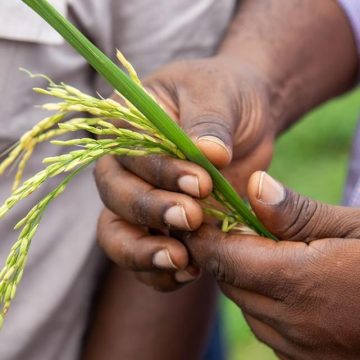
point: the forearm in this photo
(135, 322)
(303, 49)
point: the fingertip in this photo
(205, 184)
(215, 150)
(202, 243)
(163, 260)
(254, 185)
(264, 189)
(197, 185)
(185, 215)
(188, 275)
(173, 258)
(194, 215)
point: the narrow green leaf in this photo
(137, 96)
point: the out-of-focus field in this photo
(311, 158)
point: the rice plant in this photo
(149, 131)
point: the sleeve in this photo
(352, 10)
(153, 33)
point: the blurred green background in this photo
(312, 159)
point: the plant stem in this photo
(145, 104)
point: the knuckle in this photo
(130, 257)
(102, 229)
(220, 263)
(348, 224)
(103, 183)
(305, 220)
(117, 251)
(211, 124)
(100, 235)
(153, 169)
(216, 268)
(143, 208)
(160, 171)
(100, 170)
(98, 175)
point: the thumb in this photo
(289, 215)
(248, 262)
(211, 127)
(212, 136)
(200, 100)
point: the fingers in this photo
(162, 261)
(203, 108)
(169, 281)
(269, 336)
(160, 281)
(171, 174)
(260, 307)
(210, 128)
(248, 262)
(213, 138)
(133, 248)
(265, 316)
(281, 356)
(138, 202)
(289, 215)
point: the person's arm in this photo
(132, 321)
(305, 50)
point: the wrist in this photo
(304, 55)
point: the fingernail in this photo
(162, 260)
(216, 140)
(176, 216)
(270, 191)
(184, 276)
(190, 185)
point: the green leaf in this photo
(140, 99)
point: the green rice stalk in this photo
(145, 104)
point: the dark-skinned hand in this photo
(225, 111)
(300, 296)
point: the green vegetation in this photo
(312, 159)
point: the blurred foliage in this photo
(312, 159)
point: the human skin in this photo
(134, 321)
(280, 59)
(301, 295)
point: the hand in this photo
(300, 297)
(229, 120)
